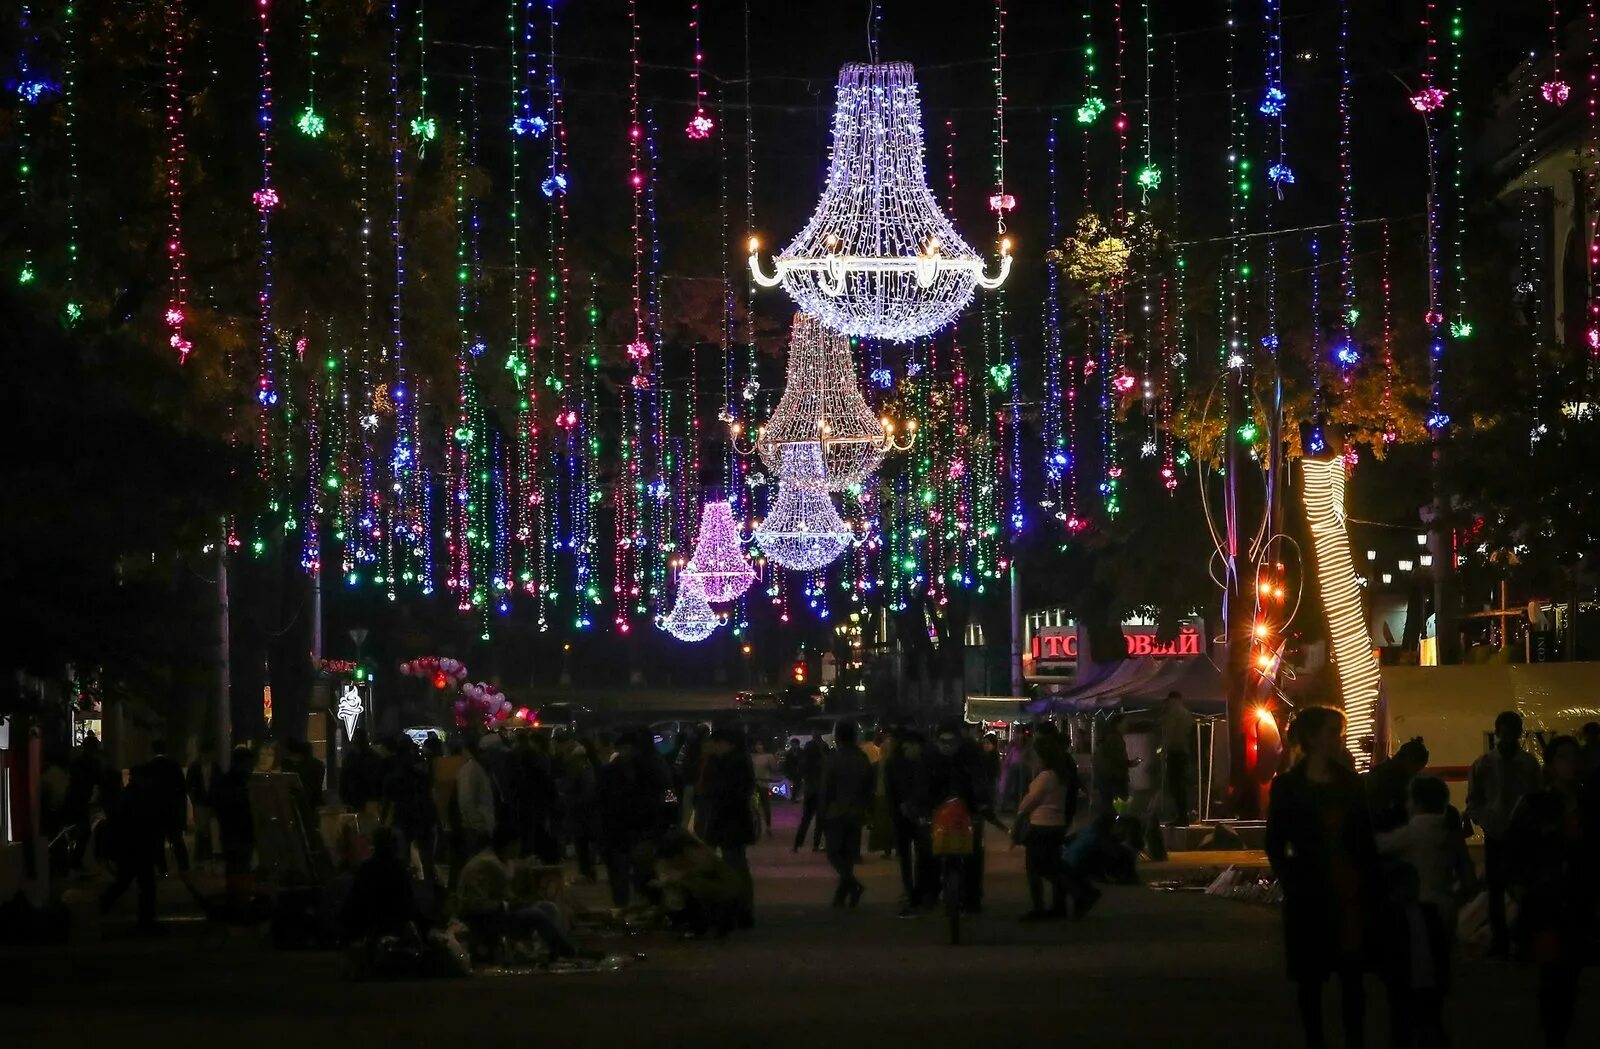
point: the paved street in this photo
(1146, 968)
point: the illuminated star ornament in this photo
(879, 257)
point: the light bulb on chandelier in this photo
(879, 258)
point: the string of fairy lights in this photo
(571, 409)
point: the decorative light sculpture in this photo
(879, 258)
(802, 530)
(822, 410)
(718, 565)
(692, 617)
(1341, 597)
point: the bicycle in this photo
(953, 842)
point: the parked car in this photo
(747, 700)
(800, 699)
(824, 727)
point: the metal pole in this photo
(316, 615)
(1016, 631)
(224, 726)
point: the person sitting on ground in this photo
(486, 899)
(382, 900)
(699, 890)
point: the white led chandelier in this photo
(879, 258)
(802, 531)
(822, 408)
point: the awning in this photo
(1140, 681)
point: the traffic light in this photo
(800, 672)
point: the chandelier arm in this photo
(761, 278)
(988, 283)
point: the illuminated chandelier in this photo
(692, 618)
(802, 530)
(718, 565)
(822, 409)
(879, 258)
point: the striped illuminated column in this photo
(1341, 598)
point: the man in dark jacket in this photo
(811, 789)
(408, 805)
(360, 773)
(630, 812)
(172, 804)
(727, 787)
(136, 829)
(906, 781)
(847, 785)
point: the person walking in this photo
(580, 790)
(1177, 753)
(845, 798)
(811, 788)
(1553, 863)
(475, 802)
(1320, 844)
(1497, 782)
(200, 782)
(236, 822)
(409, 810)
(360, 774)
(794, 764)
(727, 783)
(171, 800)
(905, 782)
(1430, 872)
(631, 812)
(1048, 807)
(137, 830)
(767, 772)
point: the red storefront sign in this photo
(1059, 644)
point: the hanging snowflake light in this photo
(1555, 92)
(1280, 174)
(1091, 109)
(1273, 101)
(266, 198)
(311, 123)
(878, 257)
(1428, 99)
(823, 413)
(718, 565)
(802, 531)
(692, 617)
(533, 126)
(700, 125)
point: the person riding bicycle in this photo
(956, 770)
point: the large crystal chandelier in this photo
(802, 531)
(878, 257)
(692, 618)
(718, 565)
(823, 410)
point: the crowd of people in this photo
(1375, 869)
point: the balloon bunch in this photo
(482, 702)
(444, 671)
